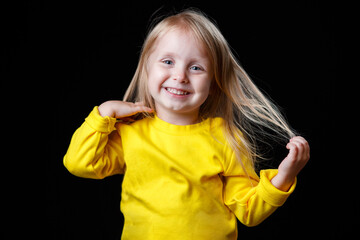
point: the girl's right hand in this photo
(120, 109)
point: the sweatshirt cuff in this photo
(100, 124)
(269, 192)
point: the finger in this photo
(298, 144)
(300, 140)
(302, 144)
(290, 145)
(292, 155)
(303, 147)
(142, 103)
(141, 108)
(293, 151)
(132, 109)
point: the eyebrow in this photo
(170, 54)
(197, 58)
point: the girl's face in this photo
(179, 76)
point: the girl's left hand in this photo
(289, 168)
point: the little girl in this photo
(184, 139)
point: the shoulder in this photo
(134, 126)
(217, 130)
(218, 137)
(231, 162)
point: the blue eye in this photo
(168, 62)
(196, 68)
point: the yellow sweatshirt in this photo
(180, 182)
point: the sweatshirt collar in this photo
(179, 129)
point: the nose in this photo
(180, 76)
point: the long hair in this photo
(249, 116)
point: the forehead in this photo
(181, 42)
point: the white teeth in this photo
(177, 92)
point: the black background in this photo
(83, 53)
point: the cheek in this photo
(204, 85)
(157, 75)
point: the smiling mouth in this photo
(176, 91)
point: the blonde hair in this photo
(247, 113)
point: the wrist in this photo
(282, 181)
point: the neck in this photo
(179, 118)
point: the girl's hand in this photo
(120, 109)
(299, 155)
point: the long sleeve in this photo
(250, 198)
(95, 149)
